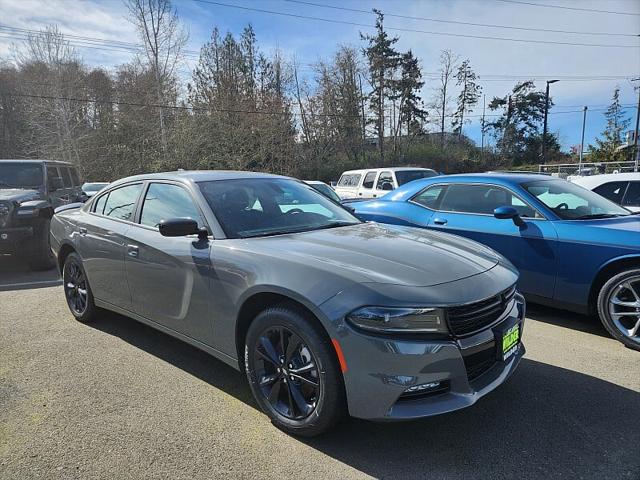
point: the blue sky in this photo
(310, 40)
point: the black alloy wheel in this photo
(77, 290)
(287, 373)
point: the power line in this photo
(455, 22)
(410, 30)
(229, 110)
(579, 9)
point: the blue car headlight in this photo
(399, 320)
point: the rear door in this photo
(169, 276)
(467, 210)
(102, 241)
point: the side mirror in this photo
(180, 227)
(387, 186)
(504, 213)
(56, 184)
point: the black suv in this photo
(30, 191)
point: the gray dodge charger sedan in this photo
(325, 314)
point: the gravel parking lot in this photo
(117, 399)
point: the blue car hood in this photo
(623, 231)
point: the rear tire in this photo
(286, 352)
(619, 307)
(77, 290)
(40, 254)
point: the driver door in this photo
(169, 276)
(384, 184)
(467, 210)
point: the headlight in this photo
(399, 320)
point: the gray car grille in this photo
(466, 319)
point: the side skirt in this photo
(185, 338)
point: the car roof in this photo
(509, 178)
(198, 176)
(388, 169)
(593, 181)
(21, 160)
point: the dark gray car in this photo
(326, 315)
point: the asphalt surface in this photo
(117, 399)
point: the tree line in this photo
(246, 109)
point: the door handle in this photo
(82, 231)
(375, 195)
(440, 221)
(360, 193)
(132, 251)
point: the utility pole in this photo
(635, 137)
(544, 130)
(364, 123)
(484, 97)
(584, 122)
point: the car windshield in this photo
(21, 175)
(326, 190)
(406, 176)
(255, 207)
(572, 202)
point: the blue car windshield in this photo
(572, 202)
(256, 207)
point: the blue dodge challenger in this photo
(574, 249)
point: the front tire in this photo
(619, 307)
(293, 371)
(77, 290)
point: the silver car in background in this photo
(325, 314)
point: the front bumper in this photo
(11, 238)
(380, 369)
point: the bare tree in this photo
(163, 38)
(448, 64)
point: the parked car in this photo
(90, 189)
(323, 188)
(620, 188)
(574, 249)
(30, 190)
(376, 182)
(324, 313)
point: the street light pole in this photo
(635, 137)
(544, 130)
(584, 122)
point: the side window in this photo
(66, 177)
(482, 199)
(74, 177)
(612, 191)
(122, 201)
(52, 173)
(369, 178)
(632, 198)
(429, 197)
(164, 201)
(99, 205)
(349, 180)
(385, 177)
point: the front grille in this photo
(480, 361)
(467, 319)
(5, 212)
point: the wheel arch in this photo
(606, 271)
(259, 300)
(65, 249)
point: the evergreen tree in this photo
(412, 112)
(617, 124)
(383, 61)
(469, 95)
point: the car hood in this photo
(388, 254)
(620, 231)
(18, 194)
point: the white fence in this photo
(563, 170)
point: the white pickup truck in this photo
(376, 182)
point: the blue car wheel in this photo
(619, 307)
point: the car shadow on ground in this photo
(562, 318)
(15, 274)
(544, 422)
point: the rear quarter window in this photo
(349, 180)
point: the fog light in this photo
(422, 387)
